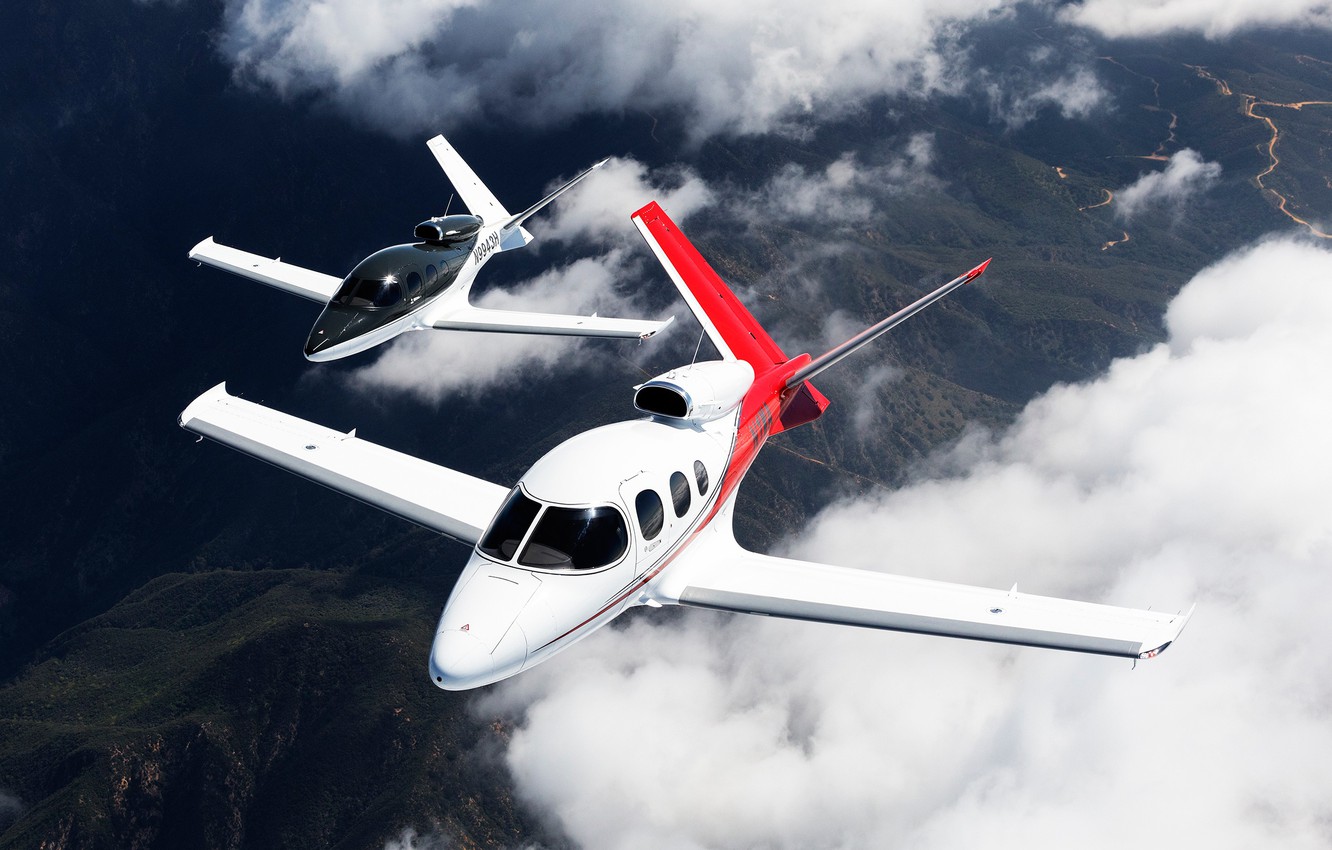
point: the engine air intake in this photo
(448, 229)
(663, 401)
(696, 393)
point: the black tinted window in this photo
(509, 526)
(650, 513)
(413, 283)
(431, 271)
(701, 473)
(368, 292)
(576, 538)
(679, 493)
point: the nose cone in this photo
(479, 639)
(459, 661)
(333, 327)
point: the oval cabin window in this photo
(680, 493)
(651, 515)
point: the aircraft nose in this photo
(335, 325)
(320, 338)
(459, 661)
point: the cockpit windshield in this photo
(369, 292)
(576, 538)
(564, 538)
(510, 526)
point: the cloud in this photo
(1219, 19)
(1185, 175)
(844, 192)
(1199, 470)
(410, 839)
(598, 209)
(1043, 81)
(413, 65)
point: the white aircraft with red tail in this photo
(639, 512)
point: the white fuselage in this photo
(503, 617)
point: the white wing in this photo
(298, 281)
(719, 574)
(464, 317)
(436, 497)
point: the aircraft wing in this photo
(465, 317)
(438, 498)
(298, 281)
(729, 578)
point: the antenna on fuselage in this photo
(449, 204)
(694, 359)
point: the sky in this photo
(1196, 471)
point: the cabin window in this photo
(576, 538)
(413, 285)
(651, 515)
(680, 493)
(431, 271)
(509, 526)
(701, 475)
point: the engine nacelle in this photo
(448, 229)
(698, 393)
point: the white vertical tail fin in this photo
(474, 194)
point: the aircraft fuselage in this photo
(662, 481)
(387, 292)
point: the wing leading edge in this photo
(727, 577)
(313, 285)
(465, 317)
(438, 498)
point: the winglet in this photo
(978, 271)
(1184, 621)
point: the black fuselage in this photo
(384, 287)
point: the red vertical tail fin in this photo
(728, 323)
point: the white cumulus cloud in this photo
(845, 190)
(1212, 18)
(1197, 471)
(746, 67)
(1185, 175)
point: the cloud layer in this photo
(1199, 470)
(1214, 19)
(736, 67)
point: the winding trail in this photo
(1109, 197)
(1251, 103)
(1159, 154)
(1113, 242)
